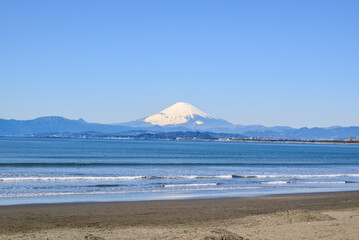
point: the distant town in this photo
(186, 136)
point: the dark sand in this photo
(302, 216)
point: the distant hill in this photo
(333, 133)
(176, 121)
(53, 124)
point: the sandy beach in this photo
(302, 216)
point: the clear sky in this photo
(292, 63)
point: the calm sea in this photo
(35, 170)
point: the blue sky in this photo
(292, 63)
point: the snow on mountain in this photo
(176, 114)
(185, 117)
(181, 117)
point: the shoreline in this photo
(279, 195)
(238, 218)
(172, 199)
(300, 141)
(354, 142)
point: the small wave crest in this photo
(124, 192)
(120, 178)
(275, 182)
(20, 179)
(189, 185)
(297, 176)
(129, 178)
(305, 182)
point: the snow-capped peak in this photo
(176, 114)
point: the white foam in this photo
(124, 192)
(127, 178)
(19, 179)
(201, 177)
(303, 182)
(189, 185)
(318, 182)
(275, 182)
(297, 176)
(119, 178)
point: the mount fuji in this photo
(179, 120)
(181, 116)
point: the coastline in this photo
(299, 141)
(354, 142)
(296, 216)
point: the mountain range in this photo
(180, 117)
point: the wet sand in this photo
(301, 216)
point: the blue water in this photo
(40, 170)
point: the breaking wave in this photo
(304, 182)
(128, 178)
(189, 185)
(124, 192)
(120, 178)
(297, 176)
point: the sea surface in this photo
(53, 170)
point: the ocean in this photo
(54, 170)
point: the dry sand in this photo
(302, 216)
